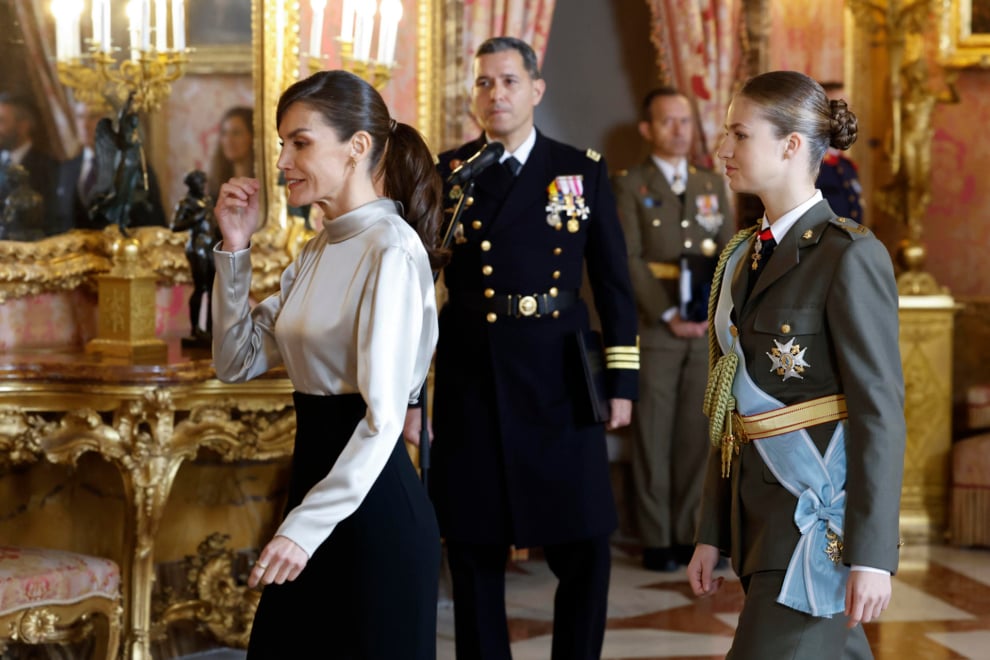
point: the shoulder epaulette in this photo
(593, 155)
(853, 228)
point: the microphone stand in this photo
(424, 435)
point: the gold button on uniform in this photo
(469, 201)
(688, 243)
(553, 292)
(486, 246)
(476, 224)
(486, 270)
(786, 328)
(556, 274)
(489, 293)
(656, 222)
(556, 313)
(557, 251)
(491, 317)
(685, 223)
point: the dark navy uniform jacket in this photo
(515, 459)
(839, 183)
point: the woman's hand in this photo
(237, 212)
(412, 429)
(700, 570)
(281, 560)
(867, 595)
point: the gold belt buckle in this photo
(738, 428)
(527, 306)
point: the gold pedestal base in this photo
(126, 306)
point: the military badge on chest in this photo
(709, 216)
(787, 359)
(565, 202)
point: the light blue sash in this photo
(813, 583)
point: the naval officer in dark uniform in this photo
(517, 459)
(676, 220)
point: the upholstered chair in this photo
(53, 596)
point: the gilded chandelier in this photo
(95, 76)
(357, 26)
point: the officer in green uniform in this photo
(806, 397)
(676, 220)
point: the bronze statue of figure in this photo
(122, 172)
(195, 213)
(21, 216)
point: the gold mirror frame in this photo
(73, 259)
(959, 46)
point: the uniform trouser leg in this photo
(670, 445)
(580, 607)
(689, 451)
(477, 574)
(768, 629)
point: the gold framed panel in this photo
(220, 60)
(964, 33)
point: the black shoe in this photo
(659, 559)
(683, 553)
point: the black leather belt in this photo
(519, 304)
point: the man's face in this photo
(10, 127)
(505, 96)
(670, 127)
(86, 121)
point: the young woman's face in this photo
(753, 157)
(313, 159)
(235, 139)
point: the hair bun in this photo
(844, 126)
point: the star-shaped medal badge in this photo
(788, 359)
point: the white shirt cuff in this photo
(868, 569)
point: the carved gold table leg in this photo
(926, 355)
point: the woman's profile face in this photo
(235, 139)
(753, 157)
(313, 159)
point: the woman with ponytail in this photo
(355, 562)
(805, 395)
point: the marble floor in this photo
(940, 610)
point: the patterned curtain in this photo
(699, 50)
(53, 107)
(528, 20)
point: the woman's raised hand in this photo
(237, 212)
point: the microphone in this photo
(487, 156)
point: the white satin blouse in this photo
(355, 313)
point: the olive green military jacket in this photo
(829, 287)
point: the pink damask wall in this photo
(807, 37)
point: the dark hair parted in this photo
(348, 104)
(652, 95)
(794, 103)
(501, 44)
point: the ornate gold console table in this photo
(145, 419)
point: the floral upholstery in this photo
(33, 577)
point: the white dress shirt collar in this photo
(786, 221)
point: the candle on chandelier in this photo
(178, 25)
(161, 25)
(388, 28)
(364, 26)
(347, 21)
(145, 26)
(316, 27)
(134, 28)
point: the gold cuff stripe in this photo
(622, 364)
(621, 350)
(664, 271)
(793, 418)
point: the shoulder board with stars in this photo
(593, 155)
(853, 228)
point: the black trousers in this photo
(369, 592)
(580, 603)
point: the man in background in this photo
(17, 124)
(676, 221)
(518, 459)
(838, 178)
